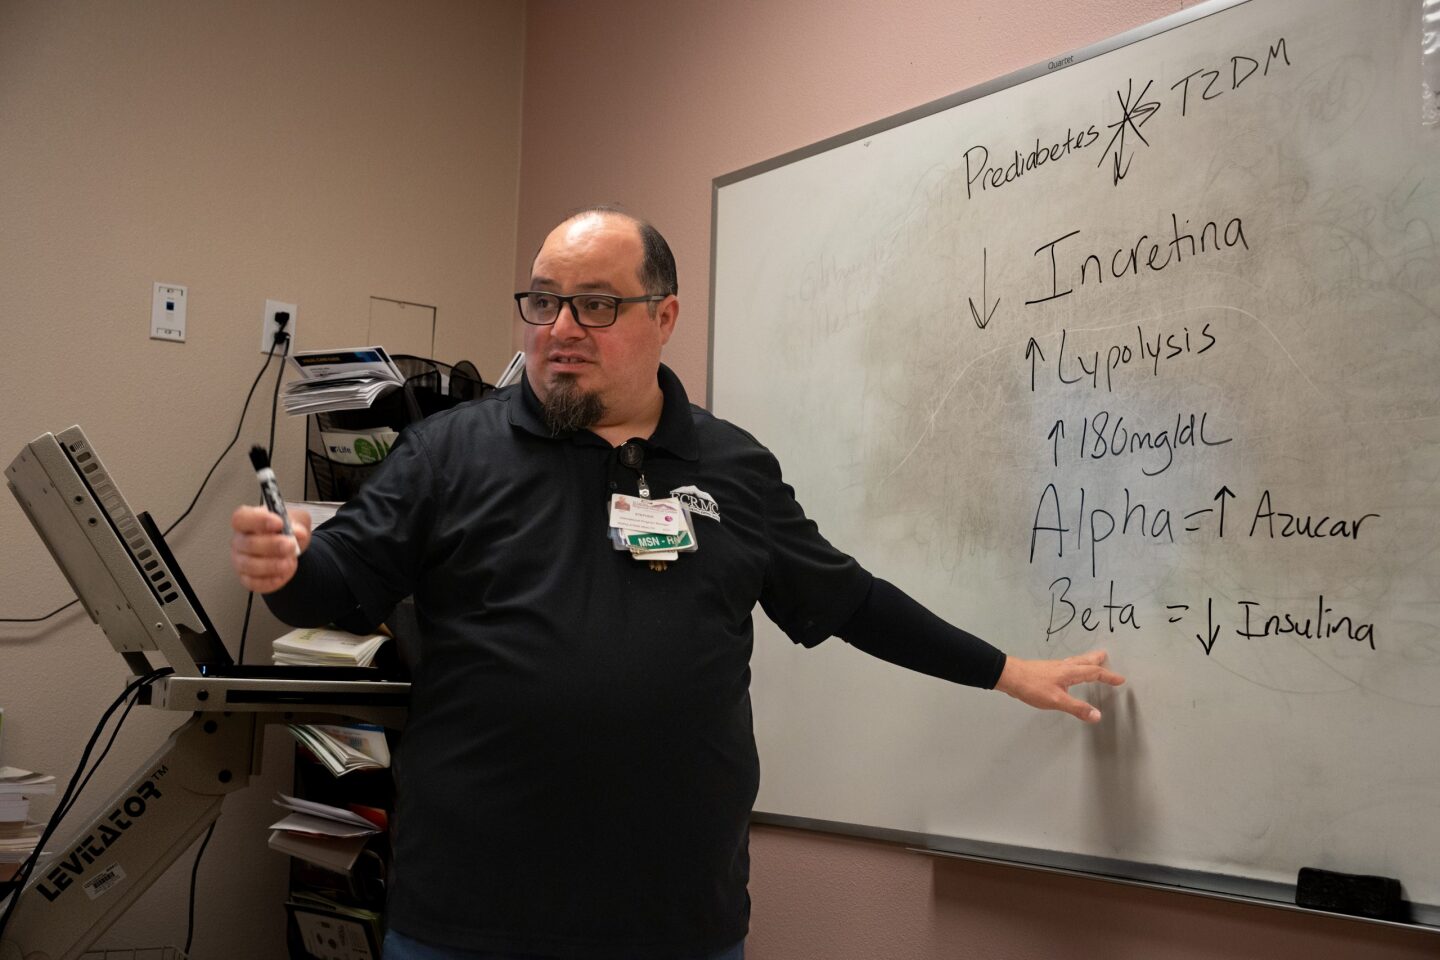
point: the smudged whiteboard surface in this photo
(1137, 354)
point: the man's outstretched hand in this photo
(1045, 684)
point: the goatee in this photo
(567, 408)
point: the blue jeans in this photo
(400, 947)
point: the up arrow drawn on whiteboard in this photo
(984, 292)
(1032, 350)
(1224, 492)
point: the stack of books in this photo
(319, 647)
(16, 848)
(347, 379)
(18, 836)
(343, 748)
(329, 837)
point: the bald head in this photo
(657, 264)
(602, 377)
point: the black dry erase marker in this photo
(269, 488)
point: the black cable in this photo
(284, 339)
(40, 619)
(233, 440)
(245, 625)
(64, 812)
(194, 872)
(67, 799)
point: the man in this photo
(577, 773)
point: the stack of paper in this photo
(346, 379)
(344, 747)
(14, 811)
(27, 783)
(319, 510)
(16, 788)
(329, 837)
(318, 647)
(16, 847)
(18, 836)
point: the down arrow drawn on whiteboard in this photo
(984, 292)
(1212, 628)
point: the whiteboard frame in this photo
(1244, 890)
(1128, 873)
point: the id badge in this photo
(645, 516)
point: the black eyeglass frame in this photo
(575, 312)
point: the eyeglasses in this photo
(589, 309)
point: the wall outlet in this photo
(269, 326)
(167, 313)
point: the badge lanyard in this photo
(653, 531)
(633, 456)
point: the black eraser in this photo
(1360, 896)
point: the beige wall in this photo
(318, 152)
(687, 91)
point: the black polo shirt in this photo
(578, 770)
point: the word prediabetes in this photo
(978, 168)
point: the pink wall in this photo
(822, 897)
(644, 102)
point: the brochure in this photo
(350, 378)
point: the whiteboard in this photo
(1136, 350)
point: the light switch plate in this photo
(167, 312)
